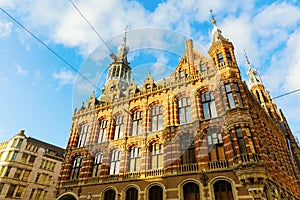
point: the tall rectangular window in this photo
(83, 135)
(102, 131)
(220, 58)
(115, 162)
(184, 109)
(187, 149)
(228, 56)
(12, 156)
(75, 171)
(24, 158)
(134, 159)
(25, 175)
(11, 191)
(241, 141)
(136, 128)
(18, 173)
(97, 164)
(156, 156)
(208, 105)
(31, 159)
(215, 145)
(156, 118)
(8, 169)
(20, 191)
(230, 91)
(119, 126)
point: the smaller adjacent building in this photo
(29, 168)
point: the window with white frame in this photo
(136, 128)
(208, 105)
(97, 164)
(156, 156)
(156, 118)
(83, 135)
(184, 110)
(119, 127)
(102, 131)
(115, 162)
(134, 159)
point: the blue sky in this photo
(39, 91)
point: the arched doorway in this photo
(131, 194)
(191, 191)
(109, 195)
(223, 190)
(67, 197)
(156, 193)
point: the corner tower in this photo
(261, 93)
(221, 52)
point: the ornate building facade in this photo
(29, 168)
(201, 133)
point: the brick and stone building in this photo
(201, 133)
(29, 168)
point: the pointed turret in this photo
(222, 53)
(258, 89)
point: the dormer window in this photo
(148, 87)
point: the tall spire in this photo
(123, 49)
(254, 77)
(216, 32)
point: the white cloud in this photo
(5, 28)
(64, 77)
(20, 70)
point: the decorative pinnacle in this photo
(125, 37)
(213, 20)
(248, 62)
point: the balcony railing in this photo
(130, 175)
(155, 172)
(219, 164)
(191, 167)
(245, 158)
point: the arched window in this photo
(83, 135)
(136, 128)
(156, 118)
(102, 131)
(208, 105)
(215, 145)
(75, 171)
(115, 162)
(191, 191)
(119, 127)
(223, 190)
(110, 195)
(187, 149)
(134, 159)
(131, 194)
(97, 164)
(156, 193)
(184, 109)
(156, 156)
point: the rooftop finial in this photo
(213, 20)
(125, 36)
(248, 62)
